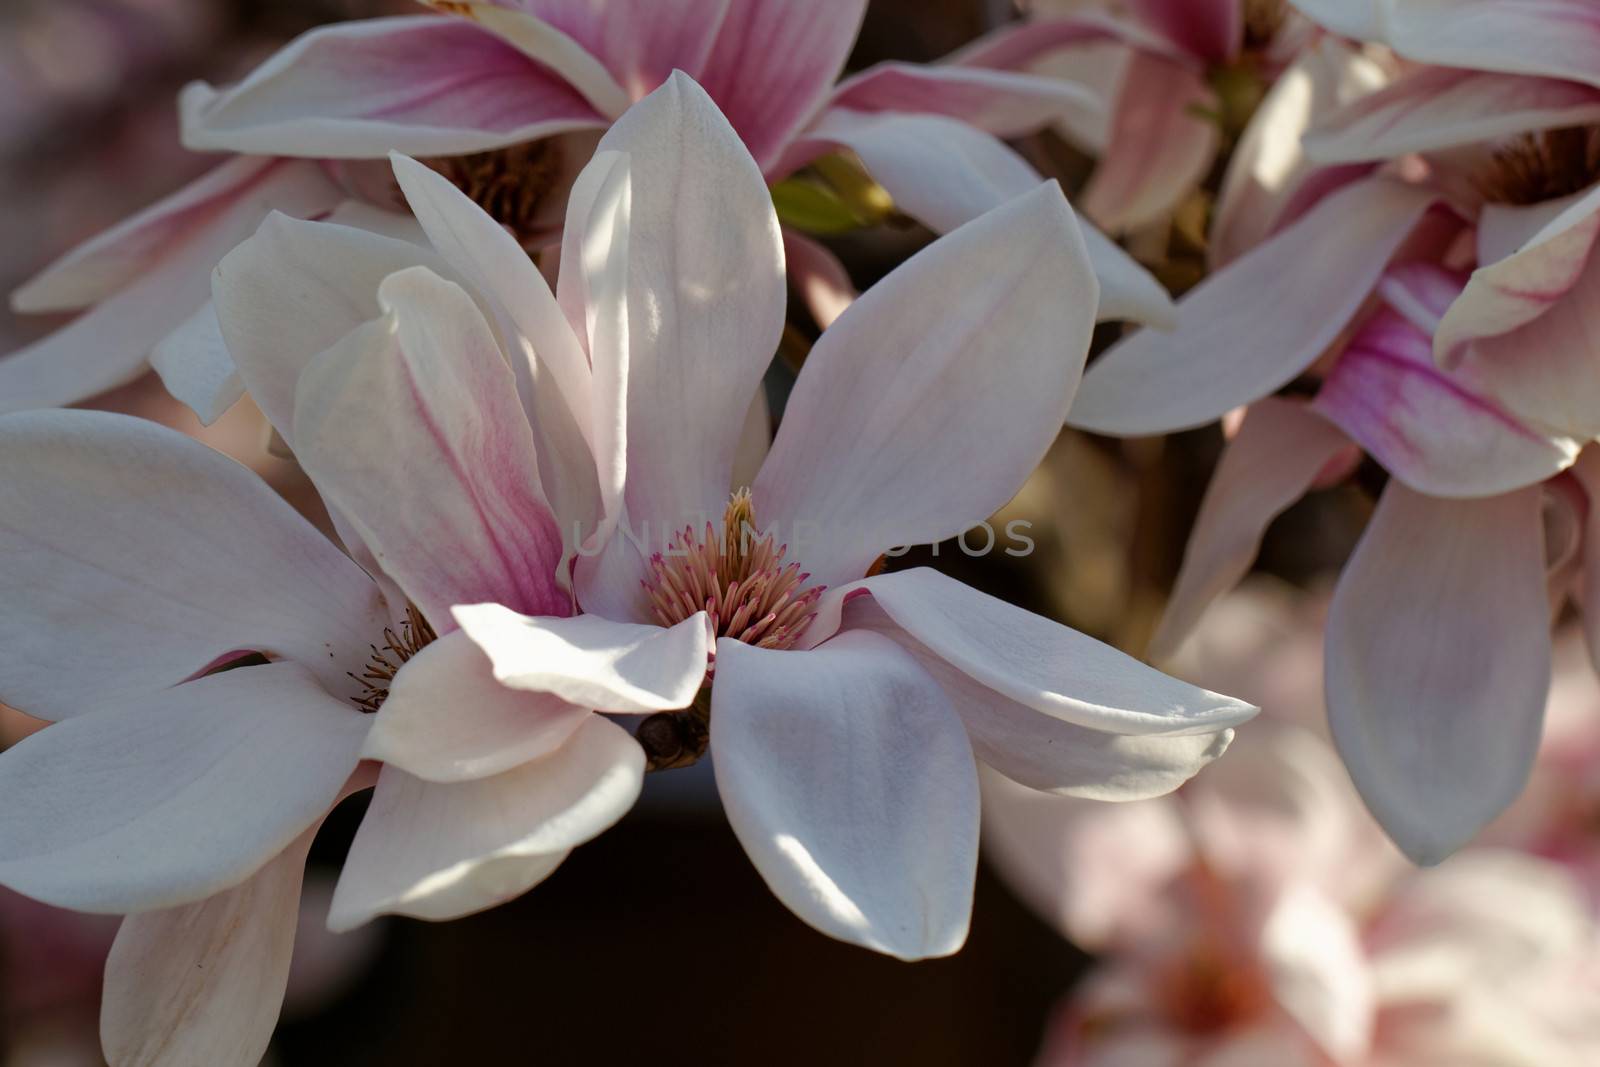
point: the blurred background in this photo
(657, 943)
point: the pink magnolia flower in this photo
(1257, 915)
(492, 77)
(846, 711)
(1186, 63)
(1476, 433)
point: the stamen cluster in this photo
(738, 577)
(1546, 165)
(414, 635)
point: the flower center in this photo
(1262, 21)
(1543, 166)
(512, 184)
(738, 577)
(414, 635)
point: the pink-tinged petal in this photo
(423, 85)
(817, 275)
(1159, 148)
(1546, 38)
(567, 59)
(774, 62)
(1043, 752)
(1096, 872)
(202, 983)
(1038, 663)
(136, 556)
(592, 662)
(104, 264)
(880, 442)
(1210, 30)
(1318, 972)
(1587, 472)
(550, 362)
(1003, 103)
(1436, 703)
(411, 427)
(1023, 45)
(441, 851)
(110, 344)
(1431, 429)
(294, 290)
(1268, 166)
(640, 41)
(171, 797)
(195, 366)
(704, 302)
(1271, 462)
(1437, 108)
(1252, 327)
(1421, 292)
(1518, 289)
(880, 848)
(945, 173)
(446, 718)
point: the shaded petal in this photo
(195, 366)
(1517, 289)
(1043, 752)
(1036, 662)
(1211, 30)
(640, 41)
(705, 304)
(821, 280)
(1000, 102)
(1431, 429)
(1358, 19)
(945, 173)
(1271, 462)
(888, 437)
(1248, 329)
(774, 62)
(446, 718)
(1094, 871)
(849, 781)
(291, 292)
(411, 426)
(593, 662)
(136, 556)
(1551, 38)
(436, 851)
(1159, 149)
(1436, 704)
(1437, 108)
(1587, 472)
(202, 983)
(423, 85)
(1268, 166)
(171, 797)
(110, 344)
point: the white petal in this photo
(590, 661)
(1549, 38)
(1278, 452)
(411, 427)
(171, 797)
(888, 438)
(196, 368)
(848, 779)
(136, 556)
(201, 984)
(1317, 968)
(1435, 702)
(446, 719)
(436, 851)
(1252, 327)
(1039, 663)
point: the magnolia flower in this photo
(844, 733)
(1192, 71)
(214, 663)
(1257, 916)
(541, 77)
